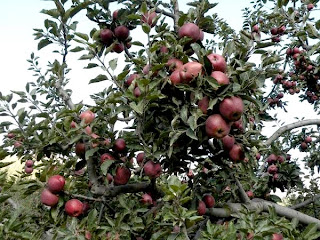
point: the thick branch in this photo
(306, 202)
(128, 188)
(291, 126)
(176, 15)
(260, 205)
(243, 195)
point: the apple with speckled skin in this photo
(216, 126)
(74, 207)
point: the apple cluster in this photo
(28, 168)
(49, 195)
(304, 144)
(272, 161)
(208, 201)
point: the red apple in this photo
(106, 36)
(220, 77)
(190, 30)
(73, 124)
(201, 36)
(280, 159)
(190, 70)
(137, 92)
(119, 145)
(174, 64)
(74, 207)
(228, 142)
(231, 108)
(258, 156)
(250, 194)
(216, 126)
(236, 153)
(272, 169)
(17, 144)
(121, 32)
(106, 156)
(80, 149)
(140, 158)
(164, 49)
(218, 62)
(190, 174)
(148, 18)
(310, 6)
(28, 170)
(277, 236)
(308, 139)
(118, 47)
(281, 29)
(209, 200)
(11, 135)
(87, 116)
(109, 178)
(131, 78)
(122, 175)
(255, 28)
(29, 163)
(146, 199)
(201, 208)
(115, 14)
(274, 31)
(304, 146)
(152, 170)
(203, 104)
(56, 183)
(175, 77)
(272, 159)
(48, 198)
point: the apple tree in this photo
(172, 144)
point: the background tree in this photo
(190, 160)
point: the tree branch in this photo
(128, 188)
(289, 127)
(168, 14)
(260, 205)
(243, 195)
(306, 202)
(176, 15)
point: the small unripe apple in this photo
(201, 208)
(255, 28)
(272, 159)
(74, 207)
(121, 32)
(17, 144)
(87, 116)
(11, 135)
(131, 78)
(209, 201)
(29, 163)
(48, 198)
(28, 170)
(310, 6)
(258, 156)
(280, 159)
(274, 31)
(115, 14)
(277, 236)
(190, 174)
(73, 124)
(120, 145)
(137, 92)
(56, 183)
(281, 29)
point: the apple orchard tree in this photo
(191, 161)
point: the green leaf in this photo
(190, 133)
(82, 35)
(77, 49)
(138, 108)
(99, 78)
(91, 65)
(92, 218)
(4, 197)
(43, 43)
(146, 28)
(113, 64)
(90, 152)
(105, 166)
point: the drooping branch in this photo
(289, 127)
(306, 202)
(259, 205)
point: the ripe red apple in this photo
(148, 18)
(216, 126)
(140, 158)
(236, 153)
(203, 104)
(115, 14)
(209, 200)
(280, 159)
(56, 183)
(272, 159)
(109, 178)
(220, 77)
(11, 135)
(137, 92)
(228, 142)
(250, 194)
(73, 124)
(17, 144)
(122, 175)
(87, 235)
(28, 170)
(118, 47)
(86, 207)
(304, 146)
(29, 163)
(146, 199)
(277, 236)
(201, 208)
(87, 116)
(131, 78)
(48, 198)
(74, 207)
(80, 149)
(308, 139)
(250, 236)
(274, 31)
(106, 36)
(121, 32)
(164, 49)
(310, 6)
(119, 145)
(231, 108)
(152, 169)
(106, 156)
(272, 169)
(201, 36)
(174, 64)
(218, 62)
(255, 28)
(190, 174)
(281, 29)
(175, 77)
(190, 70)
(190, 30)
